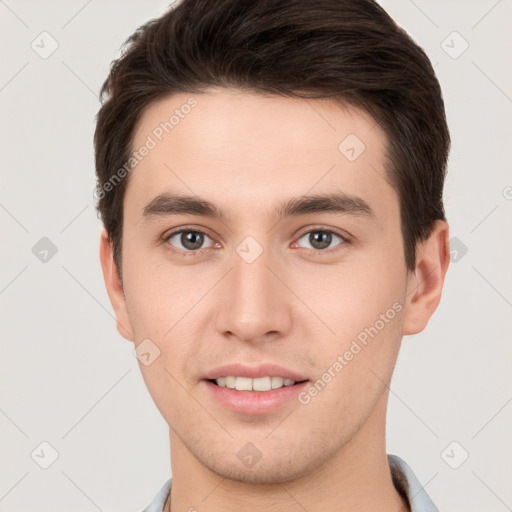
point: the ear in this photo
(114, 287)
(425, 282)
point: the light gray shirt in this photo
(405, 481)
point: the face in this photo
(288, 265)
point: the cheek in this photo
(352, 297)
(163, 306)
(166, 306)
(354, 364)
(156, 297)
(362, 304)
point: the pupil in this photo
(192, 240)
(320, 239)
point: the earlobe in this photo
(425, 283)
(114, 287)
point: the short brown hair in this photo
(347, 50)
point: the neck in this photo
(355, 479)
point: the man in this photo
(270, 178)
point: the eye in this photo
(188, 240)
(193, 240)
(321, 239)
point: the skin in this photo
(247, 153)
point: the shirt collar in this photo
(408, 485)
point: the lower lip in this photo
(255, 402)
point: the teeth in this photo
(248, 384)
(262, 384)
(243, 384)
(277, 382)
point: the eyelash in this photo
(345, 240)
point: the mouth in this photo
(259, 384)
(254, 390)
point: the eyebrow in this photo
(173, 204)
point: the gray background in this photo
(69, 379)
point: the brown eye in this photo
(188, 240)
(321, 239)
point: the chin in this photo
(275, 465)
(260, 474)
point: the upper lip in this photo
(261, 370)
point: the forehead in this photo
(250, 151)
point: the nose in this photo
(253, 303)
